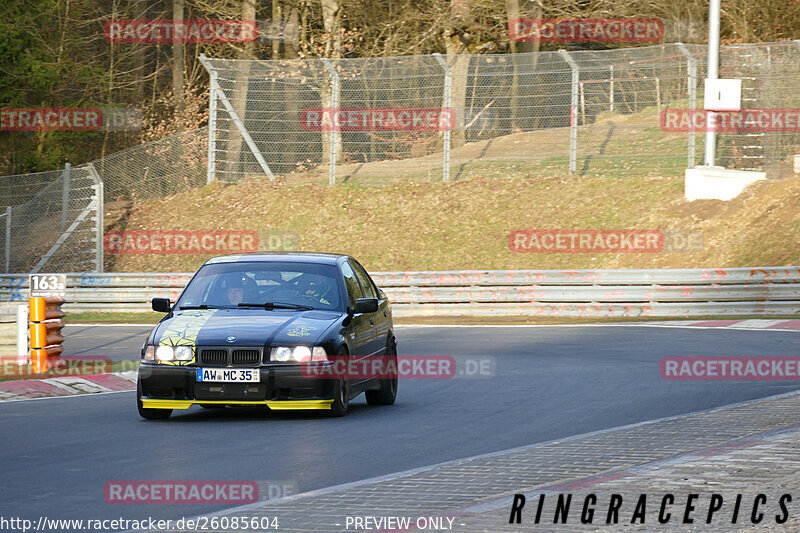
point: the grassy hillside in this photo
(466, 224)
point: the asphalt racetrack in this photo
(547, 383)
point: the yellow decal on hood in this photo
(183, 329)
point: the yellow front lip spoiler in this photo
(275, 405)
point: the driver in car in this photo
(312, 288)
(238, 287)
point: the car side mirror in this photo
(162, 305)
(366, 305)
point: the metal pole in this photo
(448, 91)
(611, 89)
(691, 63)
(8, 238)
(65, 177)
(713, 74)
(573, 112)
(100, 239)
(212, 127)
(334, 109)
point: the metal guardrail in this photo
(593, 293)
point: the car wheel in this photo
(150, 414)
(387, 393)
(341, 392)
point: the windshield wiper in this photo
(202, 306)
(277, 305)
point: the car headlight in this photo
(169, 353)
(298, 353)
(165, 353)
(183, 353)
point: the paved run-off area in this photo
(747, 449)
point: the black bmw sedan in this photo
(281, 330)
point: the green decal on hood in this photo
(300, 331)
(183, 329)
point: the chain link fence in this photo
(376, 121)
(587, 113)
(52, 221)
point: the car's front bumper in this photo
(280, 387)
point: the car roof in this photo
(285, 257)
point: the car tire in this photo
(387, 393)
(341, 392)
(150, 414)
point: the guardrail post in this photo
(573, 112)
(45, 328)
(65, 177)
(691, 63)
(448, 96)
(22, 334)
(334, 108)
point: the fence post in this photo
(65, 177)
(8, 238)
(691, 63)
(573, 112)
(448, 95)
(212, 119)
(334, 108)
(611, 89)
(99, 214)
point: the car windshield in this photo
(272, 285)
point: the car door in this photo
(380, 319)
(360, 329)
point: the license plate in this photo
(229, 375)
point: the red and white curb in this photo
(756, 323)
(27, 389)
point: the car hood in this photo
(251, 327)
